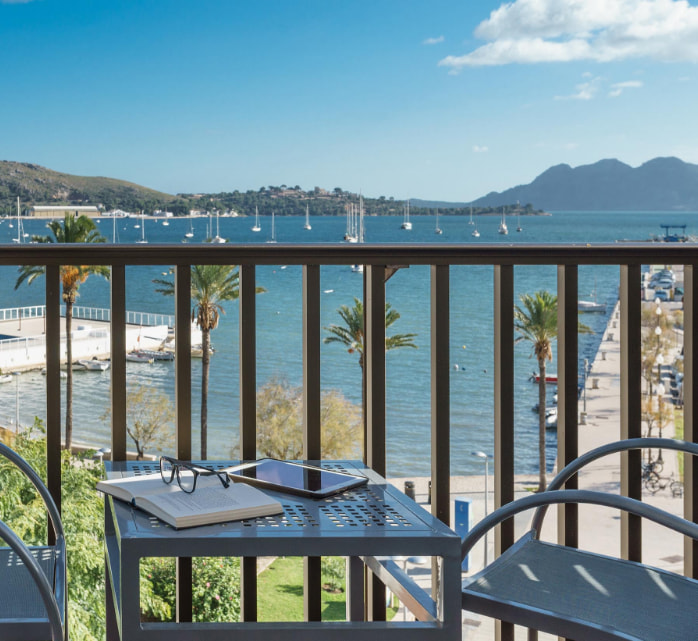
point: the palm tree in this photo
(536, 321)
(211, 285)
(70, 230)
(351, 335)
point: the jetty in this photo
(23, 335)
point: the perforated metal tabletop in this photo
(374, 520)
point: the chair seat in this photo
(22, 612)
(582, 595)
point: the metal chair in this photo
(577, 594)
(32, 578)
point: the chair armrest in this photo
(40, 488)
(54, 613)
(572, 468)
(551, 497)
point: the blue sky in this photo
(441, 100)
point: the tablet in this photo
(294, 478)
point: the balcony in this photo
(380, 262)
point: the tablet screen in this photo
(294, 476)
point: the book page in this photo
(204, 500)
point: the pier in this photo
(23, 335)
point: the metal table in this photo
(369, 525)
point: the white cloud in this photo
(618, 87)
(433, 41)
(533, 31)
(480, 149)
(584, 91)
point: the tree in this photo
(211, 285)
(536, 321)
(280, 422)
(351, 335)
(70, 230)
(149, 418)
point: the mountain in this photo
(36, 185)
(608, 185)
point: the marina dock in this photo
(23, 335)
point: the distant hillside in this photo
(37, 185)
(608, 185)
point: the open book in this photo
(209, 503)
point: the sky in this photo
(440, 99)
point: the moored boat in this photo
(94, 365)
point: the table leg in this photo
(355, 589)
(112, 627)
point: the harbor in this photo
(23, 335)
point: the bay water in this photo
(279, 323)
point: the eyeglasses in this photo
(187, 473)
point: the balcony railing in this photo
(379, 260)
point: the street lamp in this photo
(486, 458)
(16, 375)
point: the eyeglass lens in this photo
(186, 478)
(166, 470)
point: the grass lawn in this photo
(280, 594)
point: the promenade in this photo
(600, 530)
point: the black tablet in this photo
(294, 478)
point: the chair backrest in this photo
(51, 588)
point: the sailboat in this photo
(591, 305)
(307, 218)
(19, 226)
(470, 222)
(518, 215)
(273, 230)
(256, 219)
(406, 224)
(350, 235)
(359, 269)
(142, 238)
(476, 233)
(503, 225)
(114, 233)
(190, 233)
(217, 238)
(437, 229)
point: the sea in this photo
(279, 323)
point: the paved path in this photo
(601, 526)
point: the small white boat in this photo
(94, 365)
(588, 306)
(503, 225)
(256, 219)
(476, 233)
(217, 238)
(437, 229)
(190, 233)
(550, 417)
(307, 218)
(470, 222)
(138, 357)
(197, 351)
(157, 355)
(5, 378)
(406, 224)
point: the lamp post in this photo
(486, 458)
(16, 375)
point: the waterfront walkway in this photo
(601, 526)
(23, 335)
